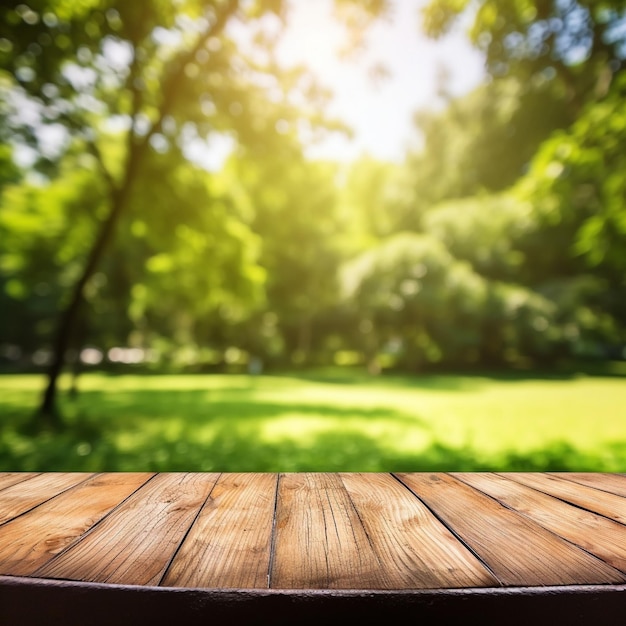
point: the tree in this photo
(293, 210)
(545, 58)
(45, 228)
(374, 197)
(146, 77)
(576, 186)
(523, 242)
(485, 231)
(411, 296)
(419, 306)
(481, 142)
(564, 237)
(577, 43)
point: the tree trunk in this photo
(48, 414)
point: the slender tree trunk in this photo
(80, 334)
(48, 414)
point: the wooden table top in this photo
(372, 531)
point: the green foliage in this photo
(548, 130)
(577, 187)
(481, 142)
(294, 212)
(577, 43)
(166, 273)
(375, 197)
(195, 262)
(416, 299)
(46, 229)
(485, 231)
(9, 171)
(468, 291)
(578, 178)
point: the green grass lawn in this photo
(329, 421)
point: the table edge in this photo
(35, 601)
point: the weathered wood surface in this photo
(316, 531)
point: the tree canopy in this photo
(578, 43)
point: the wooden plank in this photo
(25, 495)
(29, 541)
(229, 544)
(594, 533)
(12, 478)
(517, 550)
(320, 542)
(602, 502)
(415, 550)
(613, 483)
(135, 543)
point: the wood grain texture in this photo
(517, 550)
(229, 544)
(613, 483)
(414, 549)
(25, 495)
(29, 541)
(602, 502)
(328, 533)
(594, 533)
(319, 539)
(12, 478)
(135, 543)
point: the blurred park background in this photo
(207, 264)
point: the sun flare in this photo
(376, 90)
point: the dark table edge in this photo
(33, 601)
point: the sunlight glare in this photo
(380, 111)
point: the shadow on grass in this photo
(144, 436)
(346, 376)
(235, 450)
(202, 406)
(462, 380)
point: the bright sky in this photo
(381, 115)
